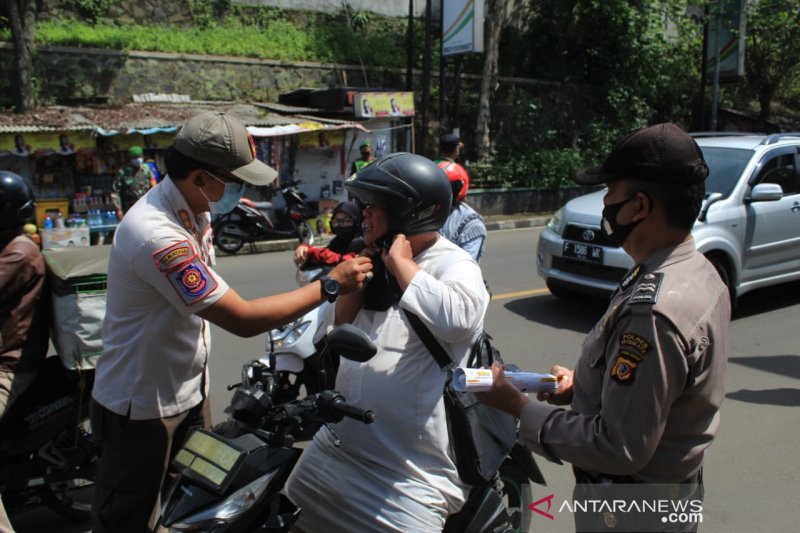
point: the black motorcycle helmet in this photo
(17, 203)
(414, 190)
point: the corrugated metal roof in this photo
(289, 109)
(137, 116)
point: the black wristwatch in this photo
(329, 288)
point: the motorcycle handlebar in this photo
(366, 416)
(332, 405)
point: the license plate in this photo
(583, 252)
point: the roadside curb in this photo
(291, 244)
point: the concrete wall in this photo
(84, 74)
(389, 8)
(512, 201)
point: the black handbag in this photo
(480, 437)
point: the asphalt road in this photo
(751, 471)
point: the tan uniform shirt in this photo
(160, 275)
(649, 382)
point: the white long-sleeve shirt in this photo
(397, 474)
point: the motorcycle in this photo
(260, 221)
(231, 479)
(47, 456)
(293, 351)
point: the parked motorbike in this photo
(260, 221)
(293, 352)
(46, 453)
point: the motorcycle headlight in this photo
(228, 510)
(289, 334)
(556, 223)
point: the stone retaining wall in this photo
(512, 201)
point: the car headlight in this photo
(289, 334)
(229, 509)
(556, 223)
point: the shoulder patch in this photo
(623, 369)
(646, 289)
(193, 281)
(174, 255)
(631, 340)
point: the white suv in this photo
(748, 227)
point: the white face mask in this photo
(230, 197)
(137, 161)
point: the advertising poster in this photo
(384, 104)
(322, 139)
(462, 27)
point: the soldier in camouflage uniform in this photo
(132, 181)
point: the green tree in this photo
(22, 19)
(773, 50)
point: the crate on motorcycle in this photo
(78, 282)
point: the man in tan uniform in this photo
(647, 388)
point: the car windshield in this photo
(725, 166)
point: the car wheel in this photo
(722, 268)
(559, 291)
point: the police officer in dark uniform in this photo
(646, 392)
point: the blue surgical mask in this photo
(230, 197)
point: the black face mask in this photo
(615, 232)
(345, 232)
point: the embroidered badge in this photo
(186, 220)
(193, 282)
(252, 144)
(173, 256)
(623, 369)
(646, 289)
(635, 342)
(632, 276)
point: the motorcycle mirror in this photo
(351, 343)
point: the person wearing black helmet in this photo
(397, 474)
(24, 319)
(346, 226)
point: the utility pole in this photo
(410, 49)
(426, 78)
(715, 80)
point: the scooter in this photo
(47, 456)
(293, 352)
(260, 221)
(231, 479)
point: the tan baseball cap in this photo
(220, 140)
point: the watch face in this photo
(331, 288)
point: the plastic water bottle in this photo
(48, 222)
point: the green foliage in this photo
(360, 19)
(205, 13)
(276, 39)
(544, 169)
(93, 10)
